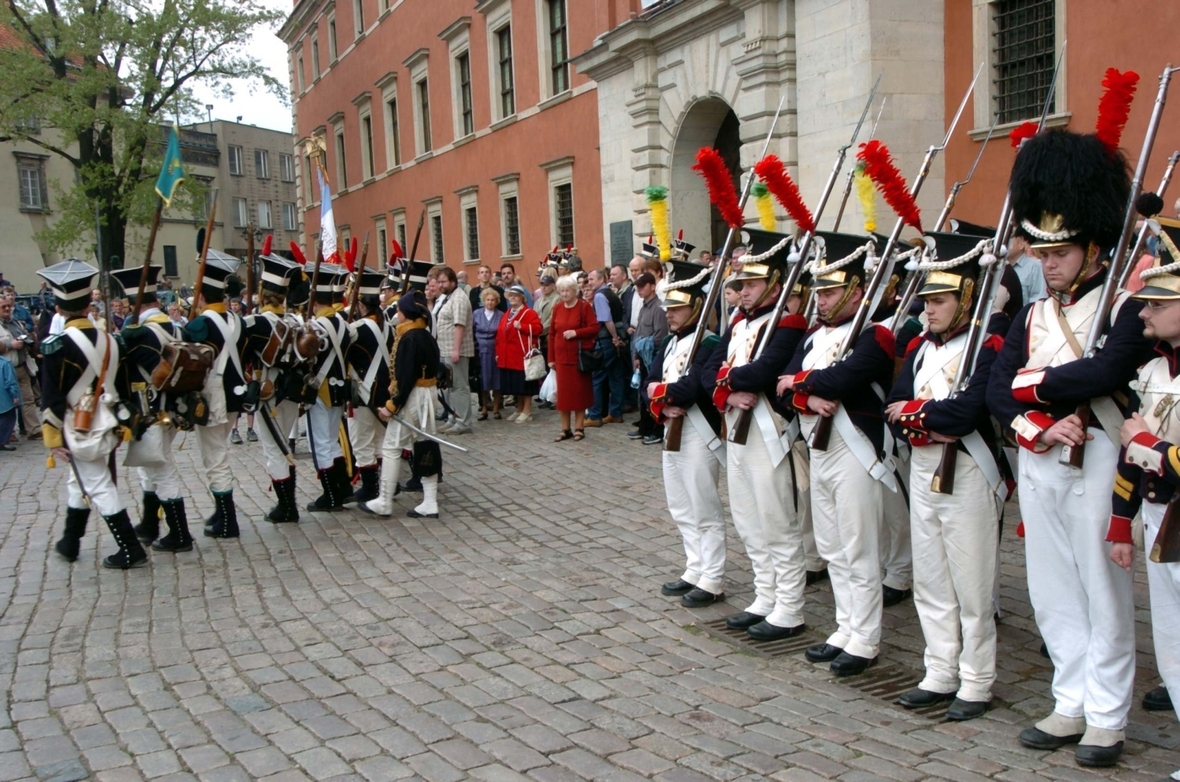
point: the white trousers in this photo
(846, 504)
(286, 413)
(97, 480)
(765, 520)
(1083, 602)
(802, 461)
(955, 538)
(214, 444)
(690, 486)
(365, 432)
(419, 410)
(897, 556)
(162, 478)
(323, 427)
(1163, 581)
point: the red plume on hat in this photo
(266, 244)
(722, 193)
(397, 250)
(878, 164)
(774, 175)
(350, 256)
(299, 256)
(1021, 132)
(1115, 106)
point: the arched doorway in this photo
(709, 122)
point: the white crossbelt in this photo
(382, 358)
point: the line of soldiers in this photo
(366, 386)
(881, 485)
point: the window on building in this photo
(563, 213)
(262, 164)
(170, 266)
(391, 122)
(332, 51)
(401, 237)
(264, 215)
(437, 237)
(367, 145)
(290, 218)
(358, 15)
(466, 111)
(240, 215)
(341, 163)
(299, 73)
(315, 59)
(235, 160)
(424, 109)
(286, 167)
(30, 125)
(308, 179)
(507, 87)
(382, 247)
(34, 195)
(511, 226)
(1025, 49)
(559, 67)
(471, 223)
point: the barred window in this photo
(563, 199)
(558, 47)
(436, 234)
(471, 218)
(507, 89)
(1025, 45)
(511, 226)
(466, 110)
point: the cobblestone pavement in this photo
(520, 636)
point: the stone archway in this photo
(708, 122)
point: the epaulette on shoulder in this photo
(994, 342)
(885, 339)
(738, 318)
(197, 329)
(793, 322)
(710, 340)
(52, 345)
(915, 343)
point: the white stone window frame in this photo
(457, 36)
(434, 210)
(364, 110)
(545, 52)
(498, 15)
(333, 33)
(418, 65)
(340, 144)
(559, 172)
(983, 53)
(469, 199)
(358, 19)
(508, 186)
(388, 86)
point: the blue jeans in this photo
(609, 382)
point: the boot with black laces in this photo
(131, 553)
(178, 537)
(285, 510)
(224, 523)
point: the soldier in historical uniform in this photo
(328, 391)
(368, 368)
(79, 400)
(955, 533)
(850, 475)
(413, 399)
(1068, 196)
(150, 453)
(1149, 463)
(225, 387)
(272, 343)
(759, 472)
(675, 389)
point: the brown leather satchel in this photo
(183, 368)
(275, 343)
(307, 343)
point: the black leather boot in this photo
(341, 483)
(370, 484)
(226, 515)
(285, 510)
(325, 501)
(71, 540)
(148, 528)
(178, 537)
(130, 553)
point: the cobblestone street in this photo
(519, 636)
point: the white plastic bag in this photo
(549, 387)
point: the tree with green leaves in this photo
(93, 81)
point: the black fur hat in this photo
(1067, 189)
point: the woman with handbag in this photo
(486, 323)
(517, 354)
(571, 334)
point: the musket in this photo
(204, 247)
(360, 272)
(133, 316)
(1142, 238)
(1074, 455)
(675, 425)
(943, 480)
(916, 277)
(852, 171)
(875, 289)
(426, 434)
(249, 268)
(413, 252)
(741, 428)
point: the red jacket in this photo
(511, 344)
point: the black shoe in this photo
(130, 553)
(961, 710)
(413, 514)
(235, 437)
(1157, 699)
(851, 665)
(699, 598)
(1035, 738)
(148, 528)
(71, 539)
(815, 576)
(918, 698)
(328, 500)
(892, 597)
(1091, 756)
(178, 537)
(635, 434)
(369, 488)
(822, 653)
(677, 587)
(743, 621)
(653, 439)
(285, 510)
(412, 485)
(765, 631)
(225, 519)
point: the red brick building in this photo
(467, 110)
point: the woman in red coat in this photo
(574, 327)
(520, 330)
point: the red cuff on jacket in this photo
(1028, 428)
(1119, 530)
(657, 402)
(721, 393)
(799, 398)
(913, 422)
(1024, 386)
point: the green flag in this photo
(171, 172)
